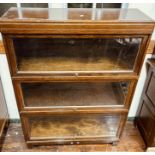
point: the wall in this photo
(148, 9)
(8, 88)
(139, 89)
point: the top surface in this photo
(73, 15)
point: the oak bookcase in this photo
(74, 71)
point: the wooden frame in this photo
(23, 107)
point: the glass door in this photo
(76, 54)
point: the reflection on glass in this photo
(5, 6)
(76, 54)
(80, 5)
(73, 126)
(35, 5)
(74, 94)
(108, 5)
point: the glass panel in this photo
(5, 6)
(76, 54)
(98, 5)
(108, 5)
(73, 126)
(79, 5)
(35, 5)
(74, 94)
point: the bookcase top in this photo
(74, 15)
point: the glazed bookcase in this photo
(74, 77)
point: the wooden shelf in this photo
(73, 94)
(43, 64)
(60, 127)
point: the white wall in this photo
(139, 88)
(0, 36)
(8, 88)
(148, 9)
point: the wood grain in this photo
(151, 47)
(45, 64)
(88, 21)
(2, 50)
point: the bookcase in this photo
(74, 71)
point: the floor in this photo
(130, 141)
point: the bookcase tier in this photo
(59, 127)
(66, 94)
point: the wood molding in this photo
(151, 47)
(2, 51)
